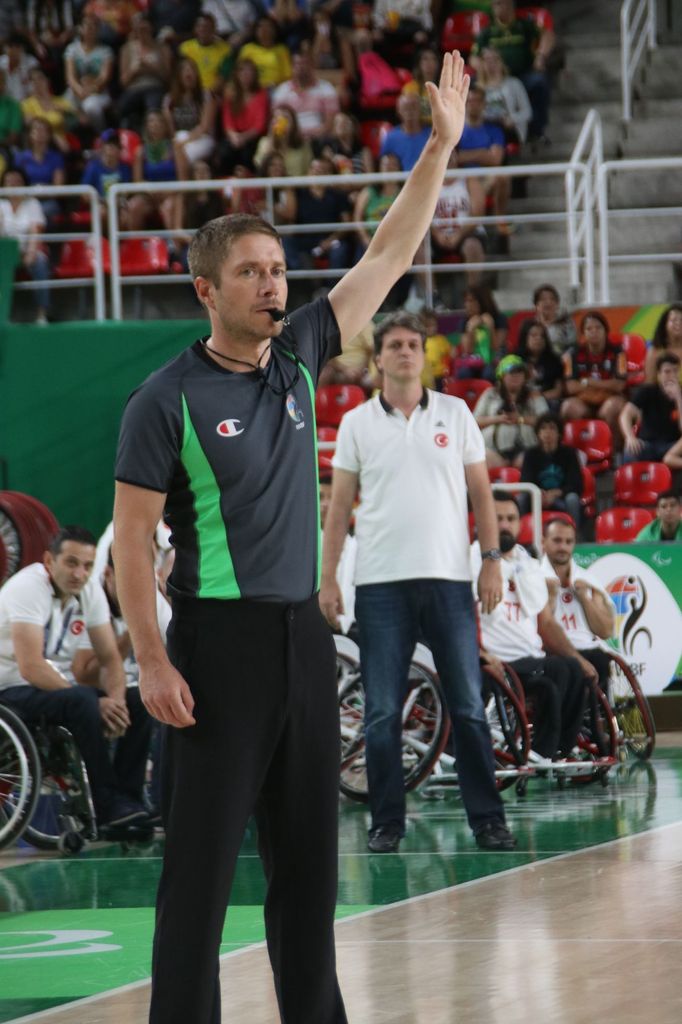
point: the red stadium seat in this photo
(588, 498)
(324, 457)
(634, 347)
(460, 30)
(504, 474)
(130, 142)
(594, 438)
(334, 400)
(540, 15)
(514, 326)
(618, 525)
(526, 531)
(143, 256)
(77, 259)
(469, 390)
(640, 483)
(373, 133)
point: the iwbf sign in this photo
(644, 582)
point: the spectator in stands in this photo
(284, 136)
(314, 100)
(332, 51)
(144, 74)
(11, 121)
(12, 18)
(579, 603)
(461, 201)
(506, 100)
(190, 112)
(425, 69)
(57, 111)
(524, 48)
(115, 19)
(106, 168)
(321, 204)
(400, 25)
(207, 50)
(554, 468)
(596, 375)
(234, 20)
(545, 369)
(42, 163)
(344, 146)
(17, 66)
(174, 19)
(88, 67)
(155, 161)
(481, 310)
(244, 115)
(667, 526)
(45, 609)
(437, 348)
(651, 419)
(22, 217)
(667, 337)
(292, 19)
(507, 414)
(268, 53)
(559, 326)
(482, 145)
(408, 138)
(197, 209)
(520, 626)
(373, 201)
(354, 365)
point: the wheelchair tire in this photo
(64, 810)
(509, 728)
(598, 737)
(636, 728)
(19, 777)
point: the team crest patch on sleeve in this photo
(295, 412)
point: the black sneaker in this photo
(124, 812)
(494, 835)
(384, 839)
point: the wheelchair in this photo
(44, 790)
(636, 731)
(426, 726)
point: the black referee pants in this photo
(266, 741)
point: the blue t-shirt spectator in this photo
(102, 178)
(481, 136)
(406, 146)
(40, 172)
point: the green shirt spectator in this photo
(667, 526)
(516, 43)
(11, 120)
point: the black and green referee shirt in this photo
(238, 463)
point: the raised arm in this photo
(358, 295)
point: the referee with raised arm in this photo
(221, 441)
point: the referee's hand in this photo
(166, 695)
(331, 602)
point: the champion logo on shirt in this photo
(442, 440)
(228, 428)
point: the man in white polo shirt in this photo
(48, 612)
(415, 453)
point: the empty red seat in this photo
(594, 438)
(504, 474)
(619, 525)
(77, 259)
(469, 389)
(634, 347)
(143, 256)
(334, 400)
(526, 531)
(640, 483)
(326, 435)
(460, 30)
(588, 499)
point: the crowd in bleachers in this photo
(110, 91)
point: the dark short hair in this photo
(14, 170)
(500, 495)
(660, 339)
(545, 288)
(561, 521)
(667, 495)
(667, 357)
(212, 243)
(401, 318)
(545, 419)
(77, 534)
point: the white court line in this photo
(533, 865)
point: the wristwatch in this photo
(494, 554)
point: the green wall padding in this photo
(62, 391)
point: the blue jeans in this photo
(391, 618)
(537, 86)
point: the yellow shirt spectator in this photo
(438, 351)
(273, 62)
(57, 115)
(207, 58)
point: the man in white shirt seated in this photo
(522, 632)
(580, 604)
(48, 612)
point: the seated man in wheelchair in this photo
(48, 611)
(579, 603)
(522, 631)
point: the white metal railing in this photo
(582, 196)
(606, 260)
(93, 236)
(637, 31)
(579, 230)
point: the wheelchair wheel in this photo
(598, 737)
(64, 818)
(509, 728)
(636, 729)
(19, 777)
(353, 779)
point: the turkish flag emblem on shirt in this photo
(442, 440)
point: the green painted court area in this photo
(71, 928)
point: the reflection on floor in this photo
(70, 928)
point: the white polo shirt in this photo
(569, 612)
(510, 631)
(29, 596)
(412, 521)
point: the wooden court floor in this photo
(582, 923)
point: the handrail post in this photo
(98, 274)
(602, 198)
(569, 184)
(588, 235)
(625, 60)
(116, 298)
